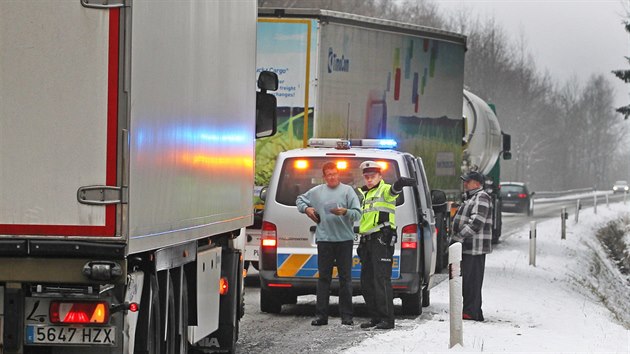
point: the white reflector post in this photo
(532, 243)
(456, 302)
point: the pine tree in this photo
(625, 76)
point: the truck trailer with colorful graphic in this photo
(356, 77)
(348, 76)
(126, 173)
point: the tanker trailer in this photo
(484, 143)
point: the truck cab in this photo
(288, 251)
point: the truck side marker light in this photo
(223, 286)
(133, 307)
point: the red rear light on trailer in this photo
(522, 195)
(64, 312)
(409, 237)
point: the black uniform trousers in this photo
(329, 254)
(376, 253)
(473, 268)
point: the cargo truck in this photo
(354, 77)
(126, 173)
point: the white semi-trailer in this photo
(126, 173)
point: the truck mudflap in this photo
(223, 340)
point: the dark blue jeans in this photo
(329, 254)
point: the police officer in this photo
(376, 249)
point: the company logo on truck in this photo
(335, 63)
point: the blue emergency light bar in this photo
(342, 144)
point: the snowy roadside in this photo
(561, 305)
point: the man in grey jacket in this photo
(472, 226)
(334, 206)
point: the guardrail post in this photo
(595, 202)
(577, 211)
(532, 244)
(624, 197)
(456, 302)
(607, 205)
(563, 218)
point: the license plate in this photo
(70, 335)
(510, 205)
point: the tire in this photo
(269, 302)
(255, 265)
(426, 297)
(412, 303)
(148, 336)
(443, 242)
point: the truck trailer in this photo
(127, 134)
(354, 77)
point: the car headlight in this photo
(626, 187)
(615, 188)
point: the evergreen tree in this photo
(625, 76)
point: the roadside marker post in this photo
(532, 244)
(456, 302)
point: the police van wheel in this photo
(412, 303)
(426, 297)
(269, 302)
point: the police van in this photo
(288, 252)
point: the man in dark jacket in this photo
(472, 226)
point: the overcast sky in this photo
(565, 37)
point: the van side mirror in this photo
(263, 194)
(266, 103)
(438, 201)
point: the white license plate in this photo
(37, 334)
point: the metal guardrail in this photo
(552, 194)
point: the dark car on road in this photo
(516, 198)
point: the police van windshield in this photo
(303, 173)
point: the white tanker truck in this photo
(484, 143)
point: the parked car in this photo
(516, 198)
(621, 187)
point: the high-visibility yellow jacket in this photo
(379, 206)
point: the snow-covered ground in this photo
(573, 300)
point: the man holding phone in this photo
(335, 207)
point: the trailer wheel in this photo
(148, 332)
(269, 302)
(412, 303)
